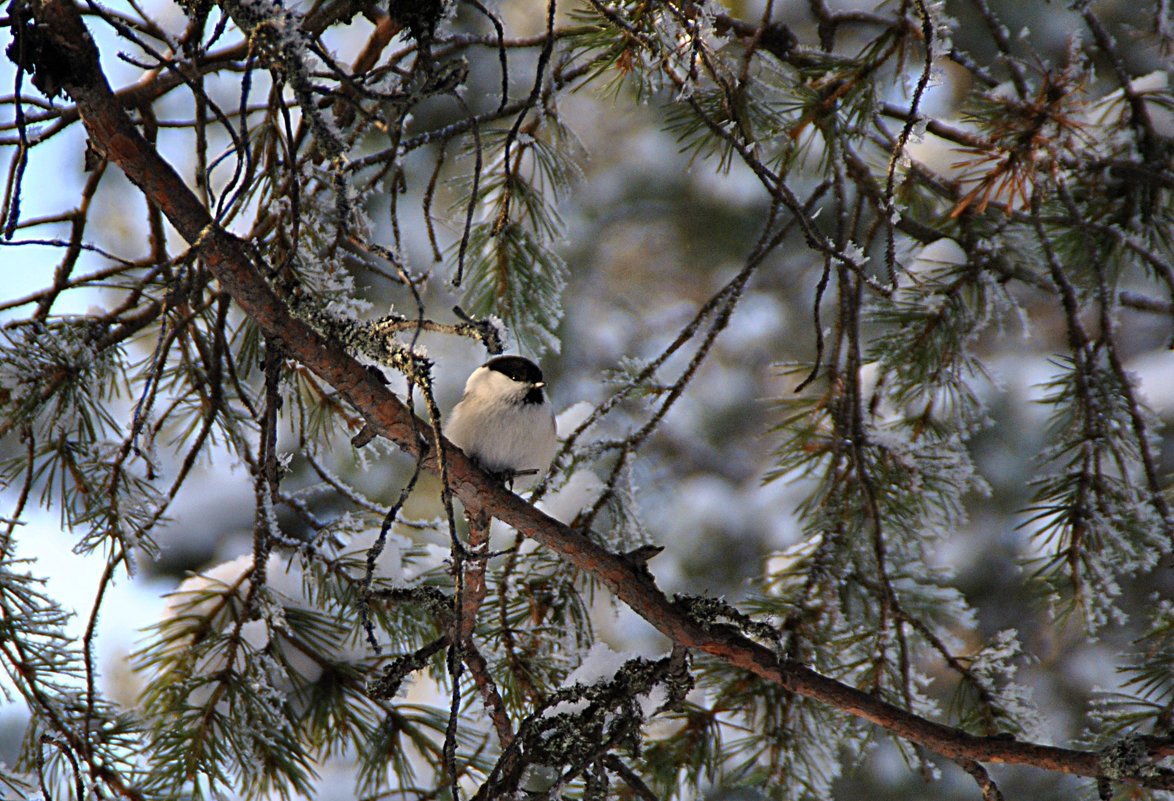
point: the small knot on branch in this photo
(487, 331)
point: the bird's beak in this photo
(539, 385)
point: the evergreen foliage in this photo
(379, 166)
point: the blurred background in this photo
(650, 233)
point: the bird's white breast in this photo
(494, 426)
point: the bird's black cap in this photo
(518, 368)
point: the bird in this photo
(504, 421)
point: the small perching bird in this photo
(504, 422)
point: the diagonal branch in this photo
(75, 65)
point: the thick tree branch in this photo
(75, 66)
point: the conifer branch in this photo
(857, 458)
